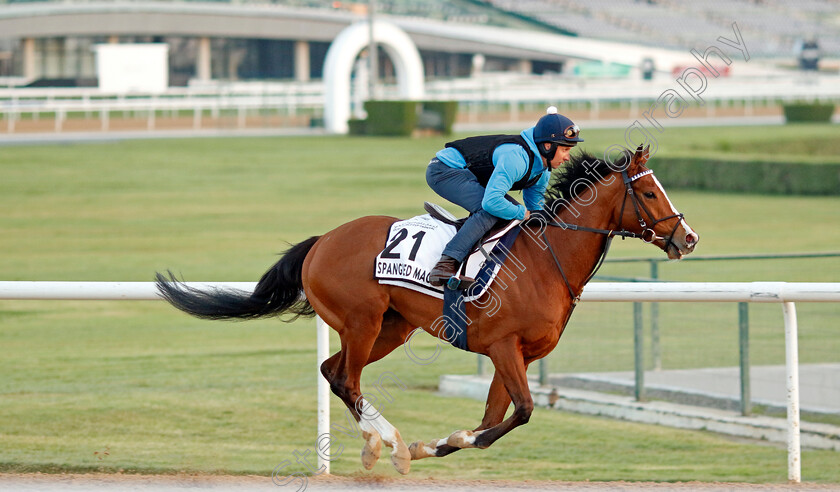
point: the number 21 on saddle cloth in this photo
(415, 245)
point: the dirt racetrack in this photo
(198, 483)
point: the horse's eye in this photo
(649, 194)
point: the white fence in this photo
(775, 292)
(57, 104)
(488, 92)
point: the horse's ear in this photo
(641, 156)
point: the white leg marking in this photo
(433, 446)
(420, 450)
(372, 419)
(463, 438)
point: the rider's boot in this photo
(445, 269)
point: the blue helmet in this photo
(557, 129)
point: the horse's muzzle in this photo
(681, 243)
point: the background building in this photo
(51, 42)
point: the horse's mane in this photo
(582, 165)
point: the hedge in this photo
(787, 178)
(808, 112)
(401, 118)
(357, 127)
(391, 118)
(446, 110)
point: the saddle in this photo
(444, 216)
(414, 246)
(461, 280)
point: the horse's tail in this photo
(279, 291)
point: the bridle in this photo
(648, 235)
(647, 232)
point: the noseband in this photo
(648, 234)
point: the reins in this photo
(576, 297)
(648, 235)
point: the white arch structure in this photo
(338, 67)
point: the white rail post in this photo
(59, 120)
(792, 370)
(323, 393)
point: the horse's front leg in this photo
(511, 368)
(510, 383)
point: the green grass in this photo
(161, 392)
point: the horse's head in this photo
(621, 198)
(647, 210)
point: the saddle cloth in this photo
(414, 247)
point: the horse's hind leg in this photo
(337, 281)
(339, 370)
(395, 329)
(333, 371)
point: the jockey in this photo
(478, 172)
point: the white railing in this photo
(58, 104)
(776, 292)
(476, 94)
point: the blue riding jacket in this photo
(510, 163)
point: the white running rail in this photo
(778, 292)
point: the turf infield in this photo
(137, 386)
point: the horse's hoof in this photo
(420, 450)
(462, 439)
(371, 450)
(401, 458)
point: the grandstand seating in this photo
(771, 28)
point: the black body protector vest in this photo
(478, 152)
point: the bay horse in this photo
(559, 248)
